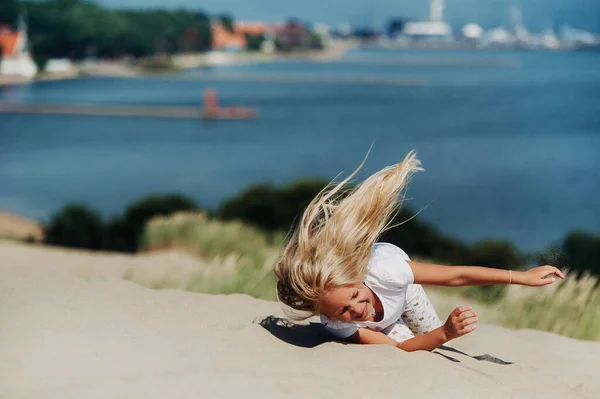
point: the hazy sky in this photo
(537, 14)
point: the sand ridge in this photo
(73, 328)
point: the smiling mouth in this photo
(364, 312)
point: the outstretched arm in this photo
(454, 276)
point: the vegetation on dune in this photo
(241, 240)
(241, 260)
(240, 257)
(570, 308)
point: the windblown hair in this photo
(332, 243)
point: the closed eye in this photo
(345, 308)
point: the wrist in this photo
(441, 334)
(517, 278)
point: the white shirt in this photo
(388, 275)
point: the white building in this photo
(497, 37)
(16, 59)
(472, 31)
(435, 27)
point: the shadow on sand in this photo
(313, 334)
(485, 357)
(303, 335)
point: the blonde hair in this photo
(332, 243)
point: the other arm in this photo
(454, 276)
(460, 322)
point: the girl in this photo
(370, 292)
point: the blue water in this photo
(509, 152)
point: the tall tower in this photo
(436, 10)
(22, 30)
(516, 17)
(518, 28)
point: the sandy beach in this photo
(72, 327)
(219, 58)
(6, 80)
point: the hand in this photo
(536, 277)
(460, 322)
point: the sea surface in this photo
(510, 140)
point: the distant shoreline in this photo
(215, 58)
(183, 62)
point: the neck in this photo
(377, 305)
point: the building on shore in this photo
(433, 28)
(226, 40)
(269, 37)
(16, 59)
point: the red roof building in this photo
(16, 59)
(11, 42)
(223, 39)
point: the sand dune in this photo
(15, 226)
(70, 327)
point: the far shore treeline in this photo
(78, 29)
(274, 209)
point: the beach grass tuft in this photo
(570, 307)
(238, 258)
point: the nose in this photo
(352, 313)
(356, 310)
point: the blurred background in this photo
(115, 112)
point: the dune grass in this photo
(570, 308)
(240, 259)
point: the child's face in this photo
(348, 303)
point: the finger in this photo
(554, 270)
(468, 322)
(551, 271)
(461, 309)
(466, 315)
(467, 329)
(547, 281)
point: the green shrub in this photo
(125, 231)
(498, 254)
(271, 208)
(76, 226)
(579, 251)
(254, 42)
